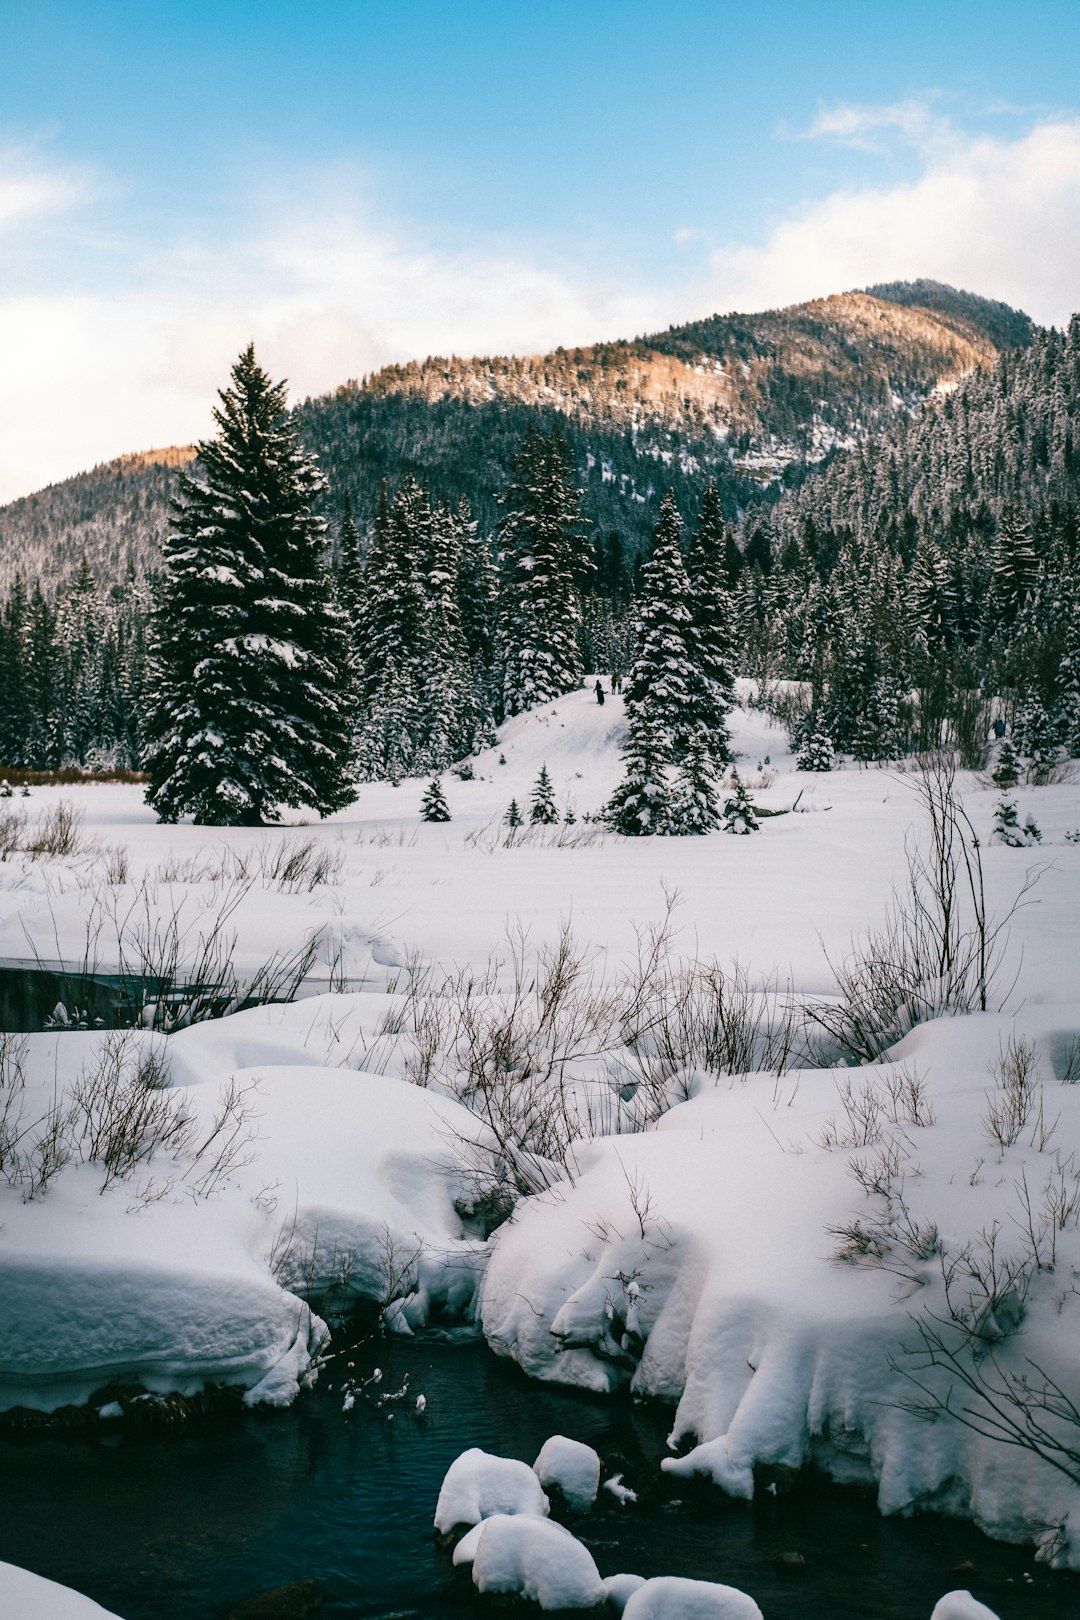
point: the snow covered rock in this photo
(620, 1589)
(537, 1560)
(24, 1596)
(961, 1606)
(572, 1469)
(478, 1485)
(670, 1597)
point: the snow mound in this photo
(176, 1276)
(621, 1588)
(478, 1485)
(961, 1606)
(537, 1560)
(670, 1597)
(24, 1596)
(571, 1468)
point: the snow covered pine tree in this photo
(250, 666)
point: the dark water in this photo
(182, 1524)
(29, 997)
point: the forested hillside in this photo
(751, 401)
(488, 533)
(940, 557)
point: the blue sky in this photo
(354, 183)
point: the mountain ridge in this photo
(755, 401)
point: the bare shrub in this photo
(57, 832)
(12, 832)
(299, 865)
(938, 951)
(1018, 1100)
(121, 1111)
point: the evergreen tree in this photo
(512, 817)
(639, 805)
(542, 808)
(694, 807)
(714, 623)
(540, 608)
(250, 659)
(666, 675)
(1007, 828)
(433, 805)
(816, 753)
(739, 814)
(1008, 767)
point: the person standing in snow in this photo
(599, 693)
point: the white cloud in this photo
(29, 190)
(870, 128)
(329, 292)
(999, 217)
(325, 296)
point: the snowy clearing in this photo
(761, 1251)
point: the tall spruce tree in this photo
(666, 676)
(714, 623)
(540, 602)
(247, 700)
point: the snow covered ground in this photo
(762, 1254)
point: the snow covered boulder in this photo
(24, 1596)
(478, 1485)
(670, 1597)
(961, 1606)
(570, 1468)
(537, 1560)
(619, 1589)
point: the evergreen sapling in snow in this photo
(512, 817)
(816, 753)
(1007, 828)
(542, 809)
(433, 806)
(739, 814)
(1008, 767)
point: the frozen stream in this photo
(173, 1525)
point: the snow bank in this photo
(175, 1275)
(669, 1597)
(538, 1560)
(478, 1485)
(961, 1606)
(698, 1263)
(24, 1596)
(571, 1468)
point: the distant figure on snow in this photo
(599, 693)
(999, 728)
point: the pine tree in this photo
(1007, 828)
(540, 606)
(512, 817)
(714, 623)
(694, 807)
(248, 710)
(1009, 767)
(666, 675)
(816, 752)
(433, 805)
(739, 813)
(639, 805)
(542, 808)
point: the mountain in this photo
(755, 401)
